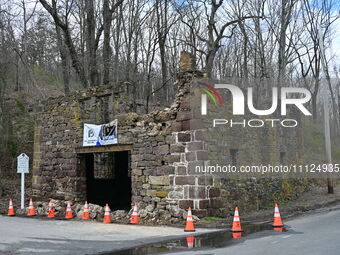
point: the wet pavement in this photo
(194, 242)
(221, 240)
(306, 235)
(36, 235)
(311, 234)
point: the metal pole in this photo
(22, 190)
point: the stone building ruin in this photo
(152, 162)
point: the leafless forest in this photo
(48, 48)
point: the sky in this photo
(335, 49)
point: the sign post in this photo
(22, 168)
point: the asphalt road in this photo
(309, 235)
(317, 234)
(44, 236)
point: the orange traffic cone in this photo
(134, 215)
(236, 222)
(50, 210)
(190, 241)
(279, 229)
(107, 216)
(68, 214)
(236, 235)
(11, 211)
(190, 224)
(86, 215)
(30, 211)
(277, 217)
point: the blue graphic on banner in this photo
(97, 135)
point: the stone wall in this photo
(57, 172)
(165, 146)
(217, 195)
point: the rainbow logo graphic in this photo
(210, 91)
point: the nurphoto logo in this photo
(296, 97)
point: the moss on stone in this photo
(162, 194)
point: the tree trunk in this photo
(282, 44)
(107, 19)
(162, 30)
(209, 62)
(245, 70)
(163, 63)
(91, 43)
(117, 43)
(314, 106)
(64, 62)
(285, 18)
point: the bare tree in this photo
(286, 13)
(215, 32)
(64, 26)
(162, 31)
(108, 10)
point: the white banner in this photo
(96, 135)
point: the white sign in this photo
(96, 135)
(22, 166)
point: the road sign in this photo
(22, 167)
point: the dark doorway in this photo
(108, 179)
